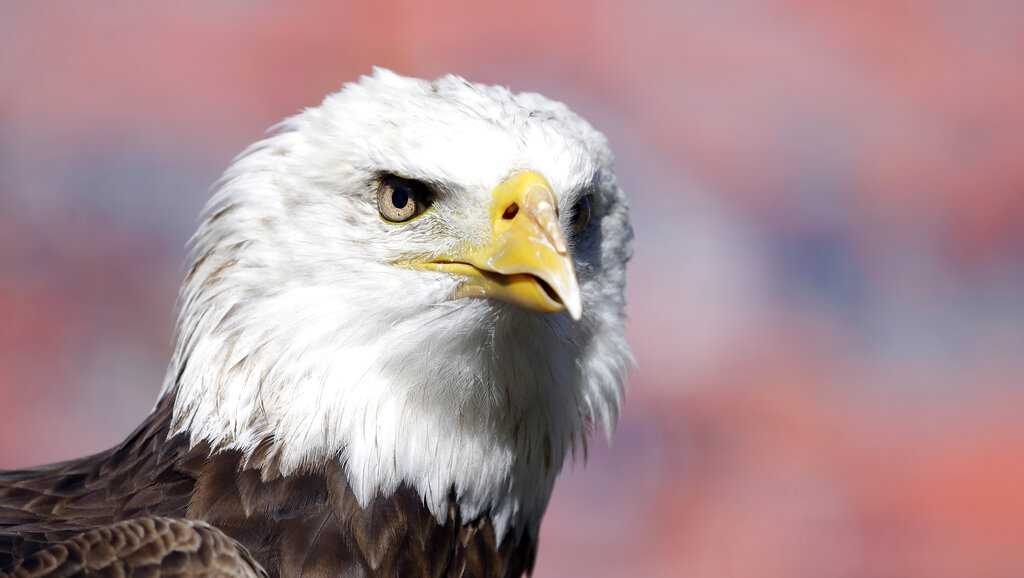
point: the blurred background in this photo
(827, 299)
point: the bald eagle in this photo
(402, 313)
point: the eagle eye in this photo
(399, 199)
(581, 213)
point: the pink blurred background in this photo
(827, 299)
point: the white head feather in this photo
(296, 330)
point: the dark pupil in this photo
(399, 198)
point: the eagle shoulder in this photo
(151, 546)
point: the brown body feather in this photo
(154, 506)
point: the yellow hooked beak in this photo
(527, 260)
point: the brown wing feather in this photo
(153, 547)
(145, 475)
(305, 525)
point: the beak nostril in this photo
(510, 212)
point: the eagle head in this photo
(420, 279)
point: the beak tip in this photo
(575, 309)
